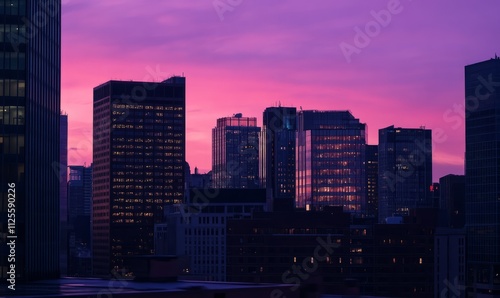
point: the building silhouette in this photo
(277, 156)
(138, 166)
(79, 216)
(405, 170)
(30, 75)
(330, 150)
(452, 201)
(235, 152)
(63, 194)
(482, 176)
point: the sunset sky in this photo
(241, 56)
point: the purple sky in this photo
(247, 55)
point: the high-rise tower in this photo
(482, 176)
(138, 165)
(30, 83)
(235, 152)
(405, 170)
(330, 161)
(277, 156)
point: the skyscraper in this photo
(63, 194)
(235, 152)
(482, 176)
(79, 211)
(30, 75)
(330, 157)
(405, 170)
(277, 156)
(138, 165)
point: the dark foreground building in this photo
(482, 176)
(138, 165)
(329, 252)
(30, 76)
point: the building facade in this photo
(196, 231)
(482, 176)
(79, 219)
(449, 263)
(330, 161)
(30, 76)
(277, 156)
(235, 152)
(327, 250)
(63, 195)
(138, 165)
(405, 170)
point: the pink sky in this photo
(256, 53)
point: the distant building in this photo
(435, 189)
(371, 180)
(277, 156)
(235, 152)
(200, 181)
(405, 170)
(63, 195)
(452, 201)
(330, 158)
(196, 230)
(79, 218)
(482, 176)
(138, 166)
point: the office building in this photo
(482, 176)
(196, 230)
(235, 152)
(277, 157)
(62, 168)
(405, 170)
(79, 217)
(330, 161)
(30, 76)
(138, 166)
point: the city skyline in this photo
(261, 54)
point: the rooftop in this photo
(94, 287)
